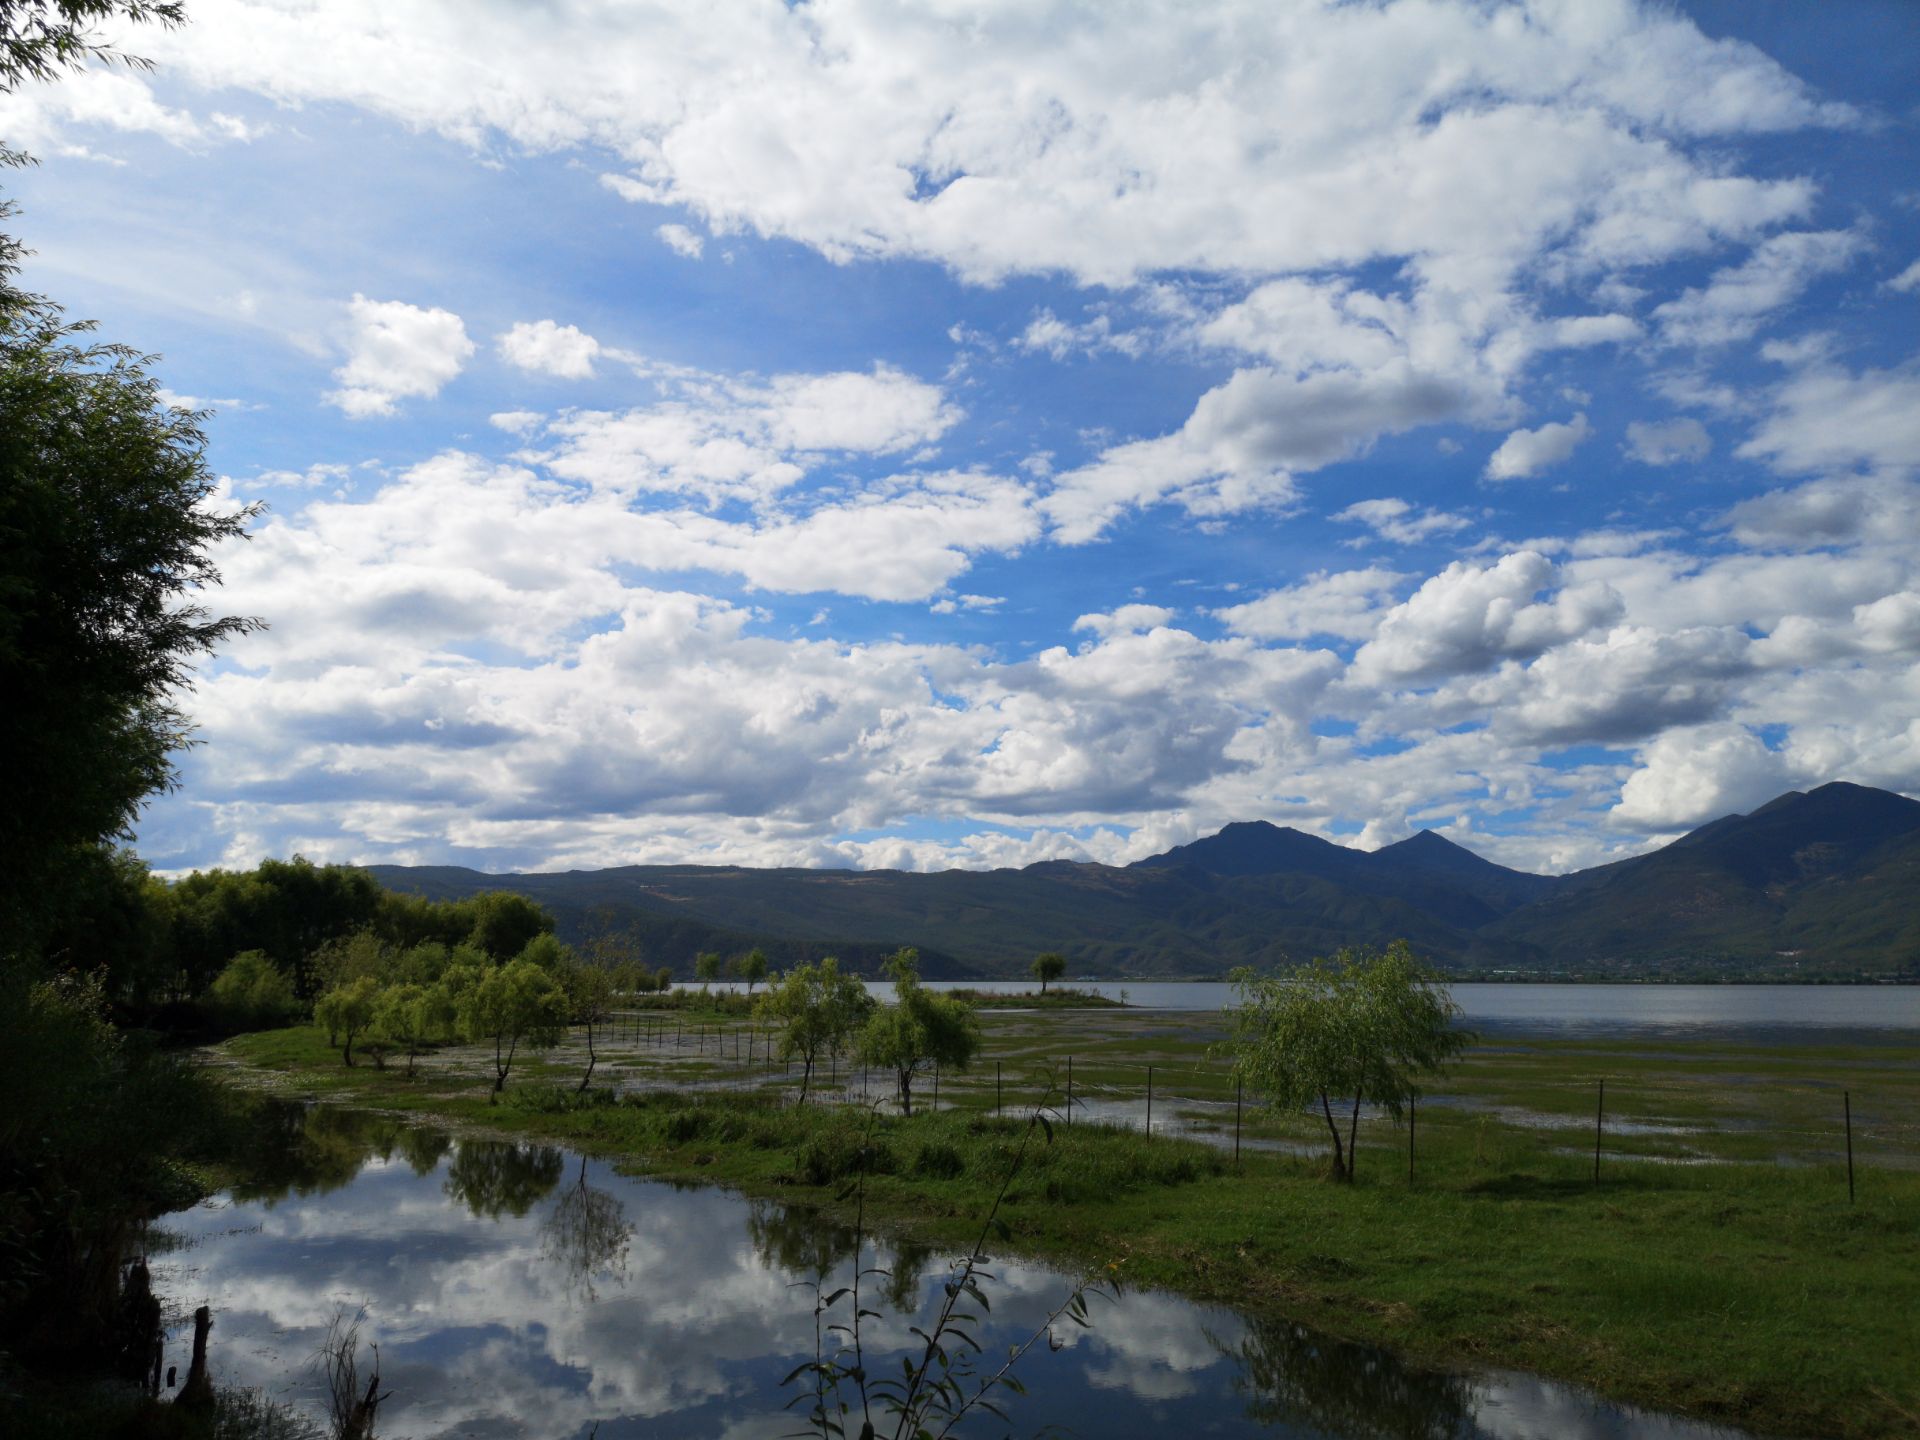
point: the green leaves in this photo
(1362, 1023)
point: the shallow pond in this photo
(517, 1290)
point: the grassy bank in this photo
(1743, 1292)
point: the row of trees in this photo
(390, 1000)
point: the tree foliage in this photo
(817, 1009)
(921, 1028)
(1049, 966)
(253, 993)
(347, 1010)
(511, 1005)
(108, 527)
(1364, 1023)
(40, 38)
(751, 967)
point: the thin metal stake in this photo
(1599, 1113)
(1069, 1089)
(996, 1089)
(1149, 1099)
(1236, 1122)
(1846, 1100)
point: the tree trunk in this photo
(592, 1060)
(806, 1074)
(1339, 1155)
(349, 1050)
(1353, 1137)
(906, 1094)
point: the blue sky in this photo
(923, 435)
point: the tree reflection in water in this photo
(499, 1177)
(287, 1148)
(1292, 1376)
(586, 1235)
(810, 1246)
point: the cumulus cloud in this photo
(548, 348)
(1668, 442)
(1908, 280)
(1829, 512)
(395, 352)
(1526, 453)
(1688, 777)
(1468, 616)
(1125, 621)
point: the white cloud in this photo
(1826, 418)
(722, 438)
(1668, 442)
(1688, 777)
(1908, 280)
(1126, 620)
(681, 240)
(1400, 521)
(1829, 512)
(1527, 452)
(516, 422)
(1347, 604)
(1051, 335)
(548, 348)
(1468, 616)
(1737, 300)
(395, 352)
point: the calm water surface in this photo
(1863, 1010)
(516, 1291)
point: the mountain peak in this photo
(1258, 847)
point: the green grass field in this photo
(1717, 1268)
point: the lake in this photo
(1852, 1013)
(517, 1290)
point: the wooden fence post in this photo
(1846, 1101)
(1599, 1115)
(1236, 1122)
(1149, 1100)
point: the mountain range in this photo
(1820, 884)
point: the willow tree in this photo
(1362, 1026)
(513, 1005)
(817, 1009)
(920, 1029)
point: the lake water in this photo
(1806, 1012)
(514, 1290)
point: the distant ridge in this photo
(1818, 884)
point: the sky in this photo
(877, 434)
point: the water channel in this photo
(516, 1289)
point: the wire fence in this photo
(1626, 1123)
